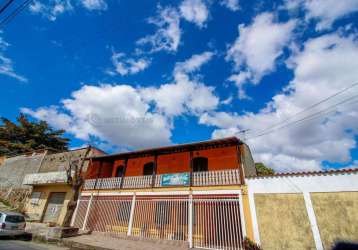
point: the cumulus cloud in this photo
(325, 12)
(257, 48)
(50, 9)
(168, 33)
(323, 67)
(6, 64)
(194, 11)
(231, 4)
(128, 66)
(94, 4)
(132, 117)
(185, 93)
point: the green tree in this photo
(261, 169)
(26, 136)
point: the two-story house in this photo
(191, 192)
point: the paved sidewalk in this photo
(102, 242)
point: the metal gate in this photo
(54, 207)
(217, 223)
(202, 221)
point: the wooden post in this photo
(191, 168)
(124, 172)
(154, 170)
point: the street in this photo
(26, 245)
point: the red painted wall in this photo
(218, 159)
(135, 165)
(173, 163)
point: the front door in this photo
(54, 207)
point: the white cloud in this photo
(231, 4)
(168, 33)
(6, 64)
(258, 46)
(132, 117)
(324, 66)
(325, 12)
(51, 9)
(185, 94)
(113, 113)
(128, 66)
(194, 11)
(94, 4)
(240, 80)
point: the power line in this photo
(309, 108)
(5, 6)
(310, 117)
(14, 13)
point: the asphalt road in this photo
(6, 244)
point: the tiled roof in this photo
(308, 173)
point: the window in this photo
(35, 198)
(14, 218)
(148, 168)
(120, 171)
(200, 164)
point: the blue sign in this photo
(180, 179)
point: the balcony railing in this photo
(207, 178)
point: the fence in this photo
(204, 178)
(202, 221)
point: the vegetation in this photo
(261, 169)
(250, 245)
(26, 136)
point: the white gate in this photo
(204, 221)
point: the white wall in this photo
(302, 184)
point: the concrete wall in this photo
(283, 222)
(36, 212)
(60, 161)
(304, 211)
(14, 169)
(337, 216)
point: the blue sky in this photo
(124, 75)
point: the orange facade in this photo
(218, 158)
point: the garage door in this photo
(54, 207)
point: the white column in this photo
(313, 221)
(87, 212)
(242, 216)
(131, 217)
(255, 225)
(75, 213)
(190, 221)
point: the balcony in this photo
(207, 178)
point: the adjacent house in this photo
(50, 187)
(190, 192)
(14, 169)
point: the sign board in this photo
(180, 179)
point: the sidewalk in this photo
(100, 241)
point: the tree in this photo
(75, 179)
(26, 136)
(261, 169)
